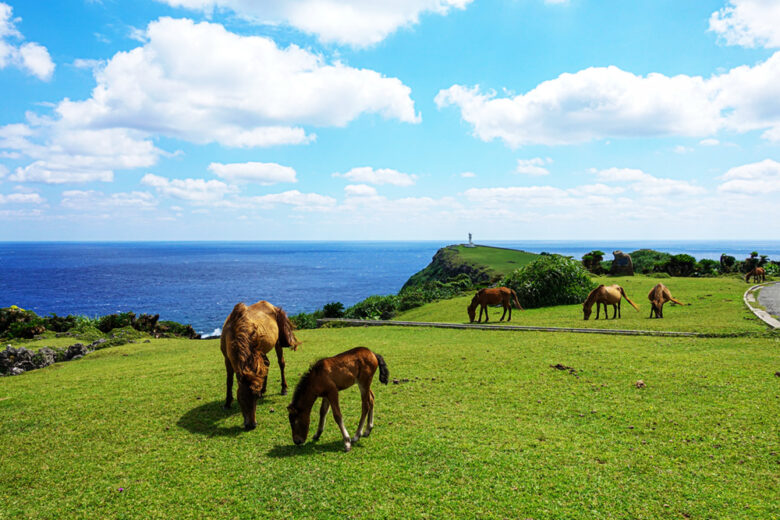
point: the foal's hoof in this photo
(355, 438)
(347, 447)
(226, 407)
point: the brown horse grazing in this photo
(603, 295)
(494, 296)
(325, 379)
(758, 274)
(248, 334)
(659, 295)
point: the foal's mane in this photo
(305, 381)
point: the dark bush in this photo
(706, 267)
(679, 265)
(172, 328)
(115, 321)
(333, 310)
(727, 263)
(550, 280)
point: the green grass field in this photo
(482, 427)
(714, 306)
(499, 260)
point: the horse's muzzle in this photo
(250, 426)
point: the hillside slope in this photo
(482, 264)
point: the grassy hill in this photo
(479, 425)
(715, 306)
(483, 264)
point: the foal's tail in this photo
(384, 373)
(628, 299)
(517, 303)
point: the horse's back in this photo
(346, 368)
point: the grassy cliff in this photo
(482, 264)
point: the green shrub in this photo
(172, 328)
(306, 320)
(374, 308)
(648, 260)
(550, 280)
(727, 263)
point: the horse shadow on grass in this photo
(206, 418)
(281, 451)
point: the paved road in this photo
(769, 297)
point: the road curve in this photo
(769, 297)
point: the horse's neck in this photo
(305, 400)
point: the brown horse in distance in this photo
(248, 334)
(603, 295)
(494, 296)
(758, 274)
(659, 295)
(325, 379)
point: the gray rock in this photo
(76, 350)
(44, 357)
(147, 341)
(15, 371)
(77, 356)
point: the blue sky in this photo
(390, 119)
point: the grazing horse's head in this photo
(587, 310)
(472, 309)
(249, 389)
(299, 423)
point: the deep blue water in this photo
(200, 282)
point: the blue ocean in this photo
(200, 282)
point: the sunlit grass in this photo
(479, 425)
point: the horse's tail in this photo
(676, 301)
(384, 373)
(517, 303)
(628, 299)
(286, 336)
(251, 368)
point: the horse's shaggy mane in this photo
(305, 380)
(252, 367)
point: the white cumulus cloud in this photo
(748, 23)
(90, 199)
(194, 190)
(302, 201)
(752, 179)
(31, 57)
(350, 22)
(534, 167)
(21, 198)
(256, 172)
(369, 175)
(648, 185)
(359, 190)
(202, 83)
(603, 102)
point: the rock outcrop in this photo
(622, 264)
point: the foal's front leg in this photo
(323, 412)
(333, 397)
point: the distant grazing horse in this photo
(758, 274)
(325, 379)
(248, 334)
(659, 295)
(494, 296)
(603, 295)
